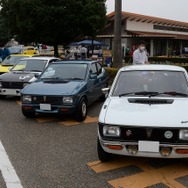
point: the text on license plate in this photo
(148, 146)
(45, 107)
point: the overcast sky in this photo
(171, 9)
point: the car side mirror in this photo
(93, 76)
(37, 75)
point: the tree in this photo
(53, 22)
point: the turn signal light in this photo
(64, 110)
(114, 147)
(182, 151)
(27, 108)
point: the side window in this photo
(99, 68)
(93, 68)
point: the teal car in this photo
(67, 88)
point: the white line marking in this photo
(9, 174)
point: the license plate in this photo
(45, 107)
(148, 146)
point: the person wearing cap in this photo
(139, 55)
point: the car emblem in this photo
(23, 77)
(44, 97)
(168, 134)
(128, 133)
(149, 133)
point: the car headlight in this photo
(183, 134)
(26, 98)
(113, 131)
(67, 100)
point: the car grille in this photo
(47, 99)
(148, 134)
(12, 85)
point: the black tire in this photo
(3, 96)
(102, 155)
(81, 111)
(28, 114)
(102, 98)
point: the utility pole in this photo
(117, 51)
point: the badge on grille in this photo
(149, 133)
(128, 133)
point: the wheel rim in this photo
(84, 109)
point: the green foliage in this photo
(53, 22)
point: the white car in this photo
(145, 113)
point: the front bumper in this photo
(124, 151)
(55, 109)
(10, 92)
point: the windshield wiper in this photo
(172, 93)
(150, 93)
(74, 78)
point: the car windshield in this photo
(65, 71)
(35, 65)
(11, 60)
(152, 83)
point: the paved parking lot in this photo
(58, 152)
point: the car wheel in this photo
(81, 112)
(28, 114)
(3, 96)
(103, 156)
(102, 98)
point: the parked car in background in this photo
(22, 73)
(10, 61)
(30, 50)
(145, 113)
(65, 88)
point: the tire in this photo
(3, 96)
(28, 114)
(102, 98)
(81, 111)
(102, 155)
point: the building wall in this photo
(148, 27)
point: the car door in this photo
(92, 83)
(102, 78)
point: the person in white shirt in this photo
(139, 55)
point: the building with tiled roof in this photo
(161, 35)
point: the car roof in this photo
(76, 61)
(40, 58)
(153, 67)
(21, 55)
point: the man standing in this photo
(4, 52)
(139, 55)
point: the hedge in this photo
(163, 60)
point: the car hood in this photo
(55, 89)
(119, 111)
(17, 76)
(4, 68)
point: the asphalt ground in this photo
(57, 152)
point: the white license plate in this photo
(148, 146)
(45, 107)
